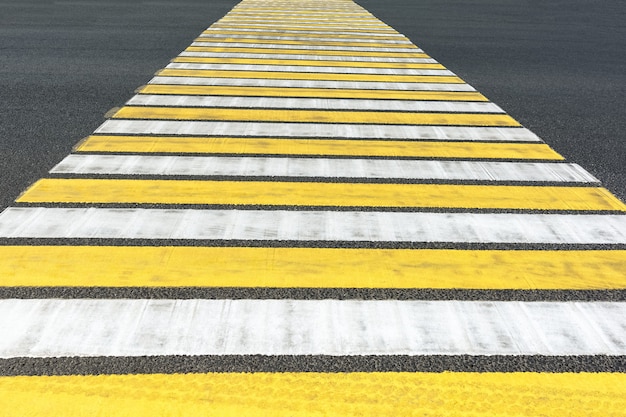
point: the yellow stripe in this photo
(311, 92)
(309, 27)
(318, 394)
(51, 190)
(135, 266)
(242, 50)
(312, 43)
(308, 35)
(269, 146)
(314, 116)
(304, 62)
(310, 76)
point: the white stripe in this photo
(67, 328)
(321, 167)
(310, 69)
(304, 47)
(287, 225)
(309, 57)
(313, 103)
(314, 130)
(304, 32)
(358, 85)
(305, 38)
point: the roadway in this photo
(370, 221)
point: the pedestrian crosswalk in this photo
(304, 213)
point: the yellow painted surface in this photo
(323, 76)
(307, 35)
(315, 116)
(338, 42)
(317, 394)
(52, 190)
(306, 52)
(306, 62)
(269, 146)
(318, 28)
(184, 266)
(311, 92)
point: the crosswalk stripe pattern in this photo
(304, 213)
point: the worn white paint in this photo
(57, 328)
(316, 130)
(313, 103)
(310, 69)
(304, 32)
(305, 47)
(319, 225)
(307, 57)
(279, 37)
(322, 167)
(359, 85)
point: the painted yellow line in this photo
(167, 72)
(327, 394)
(308, 35)
(307, 27)
(300, 42)
(311, 92)
(269, 146)
(315, 116)
(186, 266)
(307, 62)
(316, 52)
(54, 190)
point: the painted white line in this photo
(313, 69)
(354, 38)
(287, 225)
(313, 103)
(305, 32)
(83, 328)
(315, 130)
(305, 47)
(358, 85)
(308, 57)
(321, 167)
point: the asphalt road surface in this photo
(557, 67)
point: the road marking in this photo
(312, 104)
(312, 226)
(271, 75)
(319, 194)
(310, 393)
(262, 82)
(308, 45)
(302, 51)
(59, 328)
(315, 116)
(310, 57)
(266, 36)
(176, 266)
(309, 69)
(316, 130)
(312, 92)
(328, 147)
(204, 57)
(273, 167)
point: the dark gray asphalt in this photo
(63, 64)
(559, 67)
